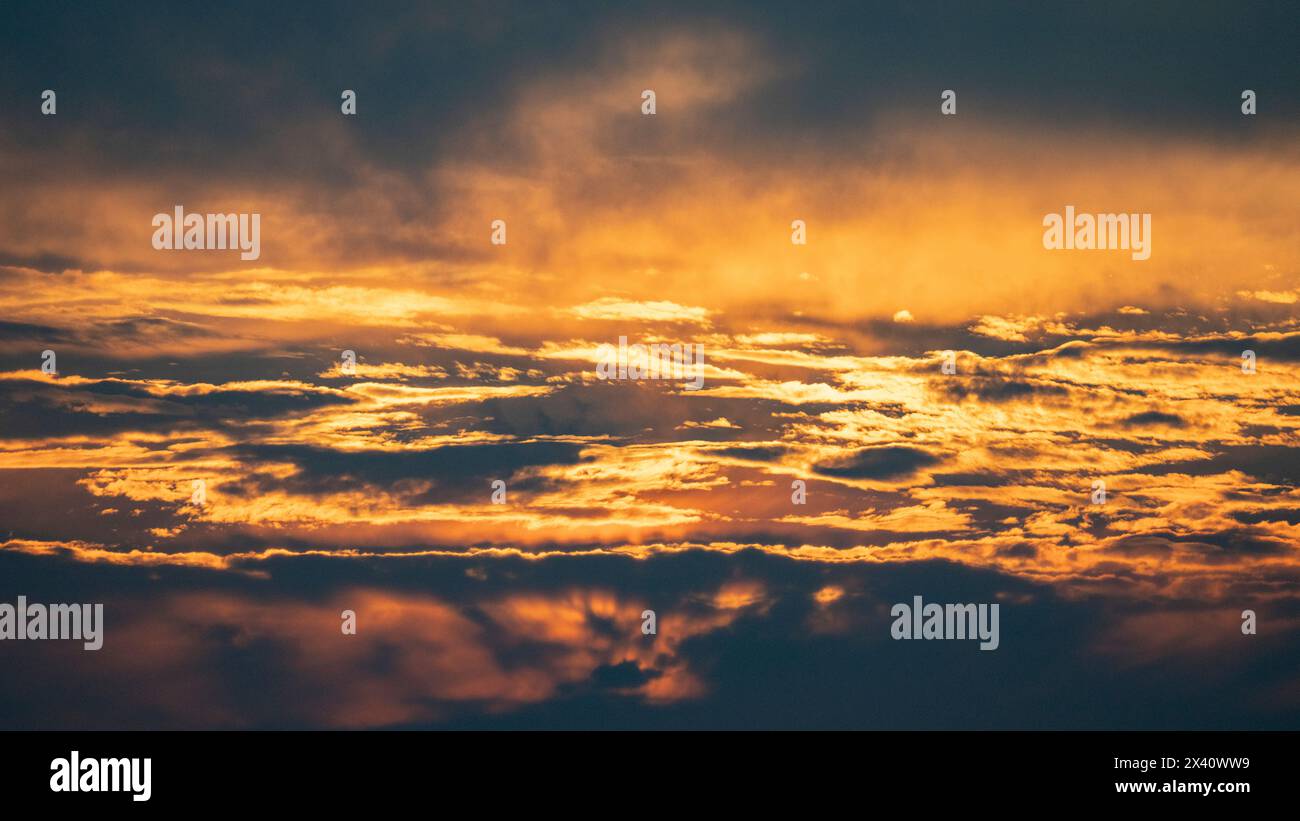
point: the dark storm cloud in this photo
(758, 453)
(1155, 418)
(167, 83)
(1278, 464)
(997, 389)
(1224, 546)
(1105, 443)
(161, 84)
(622, 676)
(914, 339)
(34, 409)
(889, 462)
(147, 328)
(24, 331)
(462, 468)
(47, 263)
(30, 410)
(789, 663)
(1290, 516)
(1285, 348)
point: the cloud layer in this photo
(329, 487)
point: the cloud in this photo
(891, 462)
(373, 488)
(1172, 420)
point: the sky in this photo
(828, 466)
